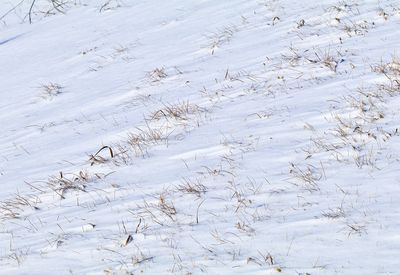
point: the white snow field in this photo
(191, 137)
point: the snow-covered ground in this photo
(189, 137)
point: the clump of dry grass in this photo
(12, 208)
(50, 90)
(146, 136)
(308, 176)
(383, 14)
(65, 182)
(157, 74)
(263, 259)
(221, 36)
(356, 28)
(181, 112)
(97, 158)
(192, 186)
(391, 70)
(160, 210)
(334, 213)
(327, 59)
(178, 114)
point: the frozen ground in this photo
(189, 137)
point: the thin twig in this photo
(30, 11)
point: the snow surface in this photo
(255, 137)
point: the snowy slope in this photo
(189, 137)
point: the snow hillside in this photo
(190, 137)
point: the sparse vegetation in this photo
(253, 159)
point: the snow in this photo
(253, 137)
